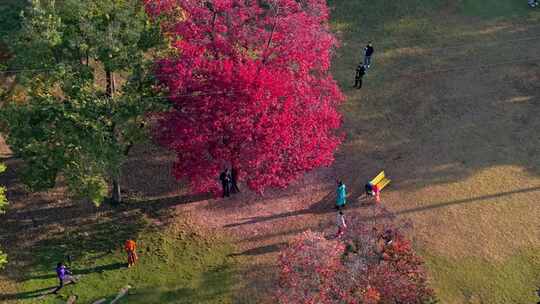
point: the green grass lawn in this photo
(177, 265)
(482, 281)
(495, 8)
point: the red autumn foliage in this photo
(372, 264)
(371, 296)
(310, 267)
(251, 88)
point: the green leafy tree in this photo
(84, 68)
(3, 204)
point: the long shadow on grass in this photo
(82, 243)
(99, 269)
(323, 206)
(215, 287)
(477, 199)
(40, 229)
(26, 295)
(165, 202)
(260, 250)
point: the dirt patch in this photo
(4, 149)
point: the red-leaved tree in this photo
(250, 88)
(373, 263)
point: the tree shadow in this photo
(28, 294)
(149, 160)
(216, 286)
(260, 250)
(478, 199)
(323, 206)
(40, 229)
(97, 269)
(279, 234)
(313, 181)
(165, 202)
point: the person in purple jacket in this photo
(64, 276)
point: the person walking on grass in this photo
(341, 224)
(225, 179)
(341, 199)
(64, 276)
(360, 72)
(131, 250)
(368, 52)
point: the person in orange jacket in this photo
(131, 246)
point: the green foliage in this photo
(3, 198)
(65, 137)
(9, 18)
(67, 123)
(3, 204)
(3, 259)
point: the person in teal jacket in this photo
(341, 199)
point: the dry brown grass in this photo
(457, 136)
(461, 143)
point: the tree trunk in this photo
(116, 196)
(111, 85)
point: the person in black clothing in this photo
(225, 179)
(368, 52)
(234, 180)
(360, 72)
(369, 189)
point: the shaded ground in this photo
(179, 261)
